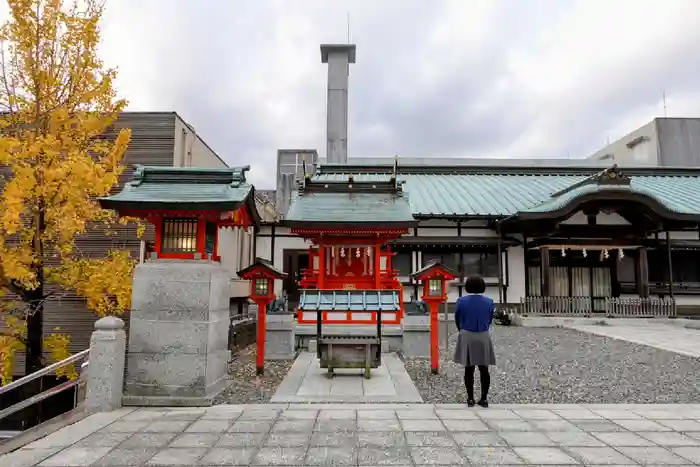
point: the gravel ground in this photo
(551, 365)
(247, 387)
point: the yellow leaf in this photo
(60, 149)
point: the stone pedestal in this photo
(178, 334)
(105, 373)
(279, 337)
(416, 336)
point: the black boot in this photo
(469, 384)
(485, 379)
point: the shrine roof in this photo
(264, 265)
(350, 203)
(349, 300)
(497, 192)
(184, 188)
(434, 264)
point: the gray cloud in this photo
(484, 78)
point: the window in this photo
(483, 264)
(179, 236)
(403, 262)
(686, 266)
(210, 238)
(446, 257)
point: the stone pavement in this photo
(374, 434)
(654, 333)
(307, 382)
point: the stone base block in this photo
(178, 335)
(173, 400)
(313, 345)
(416, 336)
(279, 337)
(385, 346)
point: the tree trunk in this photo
(35, 317)
(35, 330)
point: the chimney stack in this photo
(339, 57)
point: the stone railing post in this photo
(416, 335)
(280, 336)
(105, 382)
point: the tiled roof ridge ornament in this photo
(609, 176)
(238, 176)
(394, 172)
(157, 174)
(137, 177)
(307, 176)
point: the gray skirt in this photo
(474, 348)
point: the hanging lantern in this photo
(357, 252)
(342, 252)
(606, 254)
(585, 253)
(563, 252)
(620, 253)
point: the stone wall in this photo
(241, 333)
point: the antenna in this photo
(664, 98)
(348, 21)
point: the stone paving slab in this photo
(307, 382)
(375, 434)
(657, 334)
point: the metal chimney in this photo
(339, 57)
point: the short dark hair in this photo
(475, 284)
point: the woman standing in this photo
(473, 316)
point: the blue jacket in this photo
(474, 313)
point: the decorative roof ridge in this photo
(610, 177)
(391, 186)
(586, 170)
(233, 176)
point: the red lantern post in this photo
(434, 276)
(262, 275)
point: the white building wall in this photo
(516, 274)
(639, 148)
(282, 241)
(190, 149)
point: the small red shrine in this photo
(434, 277)
(262, 275)
(186, 207)
(349, 223)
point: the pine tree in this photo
(57, 101)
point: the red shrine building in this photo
(349, 225)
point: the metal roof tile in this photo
(494, 194)
(349, 208)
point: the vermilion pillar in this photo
(260, 340)
(433, 308)
(377, 267)
(321, 267)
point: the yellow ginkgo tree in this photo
(57, 103)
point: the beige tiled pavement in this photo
(374, 434)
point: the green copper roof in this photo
(183, 188)
(349, 300)
(502, 192)
(350, 203)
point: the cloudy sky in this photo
(433, 78)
